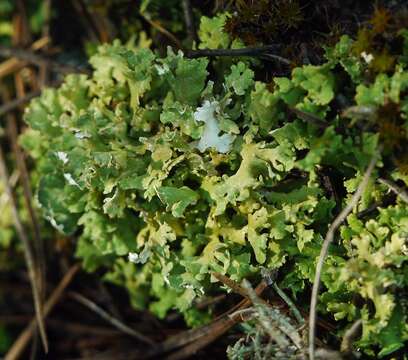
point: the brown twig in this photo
(21, 27)
(233, 285)
(21, 37)
(39, 60)
(195, 339)
(37, 241)
(11, 105)
(190, 336)
(46, 31)
(210, 301)
(189, 20)
(28, 252)
(325, 247)
(11, 65)
(20, 344)
(109, 318)
(79, 328)
(162, 30)
(217, 330)
(25, 182)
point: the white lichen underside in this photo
(210, 137)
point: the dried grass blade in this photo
(28, 252)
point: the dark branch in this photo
(395, 188)
(109, 318)
(263, 51)
(308, 117)
(11, 105)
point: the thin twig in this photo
(327, 354)
(20, 344)
(271, 319)
(86, 20)
(47, 16)
(277, 58)
(39, 60)
(109, 318)
(210, 301)
(233, 285)
(290, 303)
(11, 65)
(79, 328)
(107, 299)
(189, 20)
(263, 51)
(3, 197)
(369, 210)
(325, 247)
(28, 251)
(308, 117)
(21, 27)
(217, 329)
(25, 182)
(11, 105)
(394, 188)
(162, 30)
(275, 333)
(46, 31)
(37, 243)
(244, 314)
(196, 339)
(349, 336)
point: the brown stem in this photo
(20, 344)
(25, 182)
(13, 104)
(195, 339)
(28, 251)
(12, 65)
(39, 60)
(189, 20)
(109, 318)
